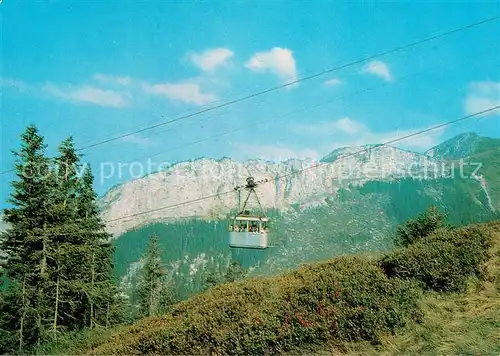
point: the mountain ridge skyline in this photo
(191, 180)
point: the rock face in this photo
(166, 195)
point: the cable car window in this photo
(253, 227)
(265, 227)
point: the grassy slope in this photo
(465, 324)
(453, 324)
(304, 235)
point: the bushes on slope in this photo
(348, 298)
(443, 260)
(344, 299)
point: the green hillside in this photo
(358, 220)
(469, 193)
(352, 304)
(195, 248)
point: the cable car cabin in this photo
(249, 232)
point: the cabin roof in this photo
(251, 218)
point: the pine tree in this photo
(67, 248)
(26, 242)
(152, 290)
(84, 280)
(12, 318)
(234, 272)
(22, 242)
(415, 229)
(102, 295)
(211, 280)
(67, 169)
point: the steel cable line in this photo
(299, 80)
(279, 117)
(152, 122)
(257, 123)
(267, 180)
(390, 142)
(204, 120)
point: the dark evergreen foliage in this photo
(154, 296)
(234, 272)
(57, 256)
(414, 230)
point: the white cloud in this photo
(111, 79)
(379, 69)
(87, 94)
(209, 60)
(358, 134)
(278, 61)
(275, 153)
(138, 140)
(350, 126)
(332, 82)
(104, 90)
(186, 92)
(72, 93)
(482, 96)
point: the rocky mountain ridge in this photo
(294, 181)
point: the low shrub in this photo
(416, 229)
(443, 260)
(74, 343)
(345, 299)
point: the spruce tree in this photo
(22, 242)
(67, 169)
(234, 272)
(84, 280)
(152, 291)
(416, 229)
(27, 240)
(68, 250)
(102, 295)
(211, 280)
(12, 314)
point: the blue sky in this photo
(96, 69)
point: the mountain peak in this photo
(460, 146)
(351, 150)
